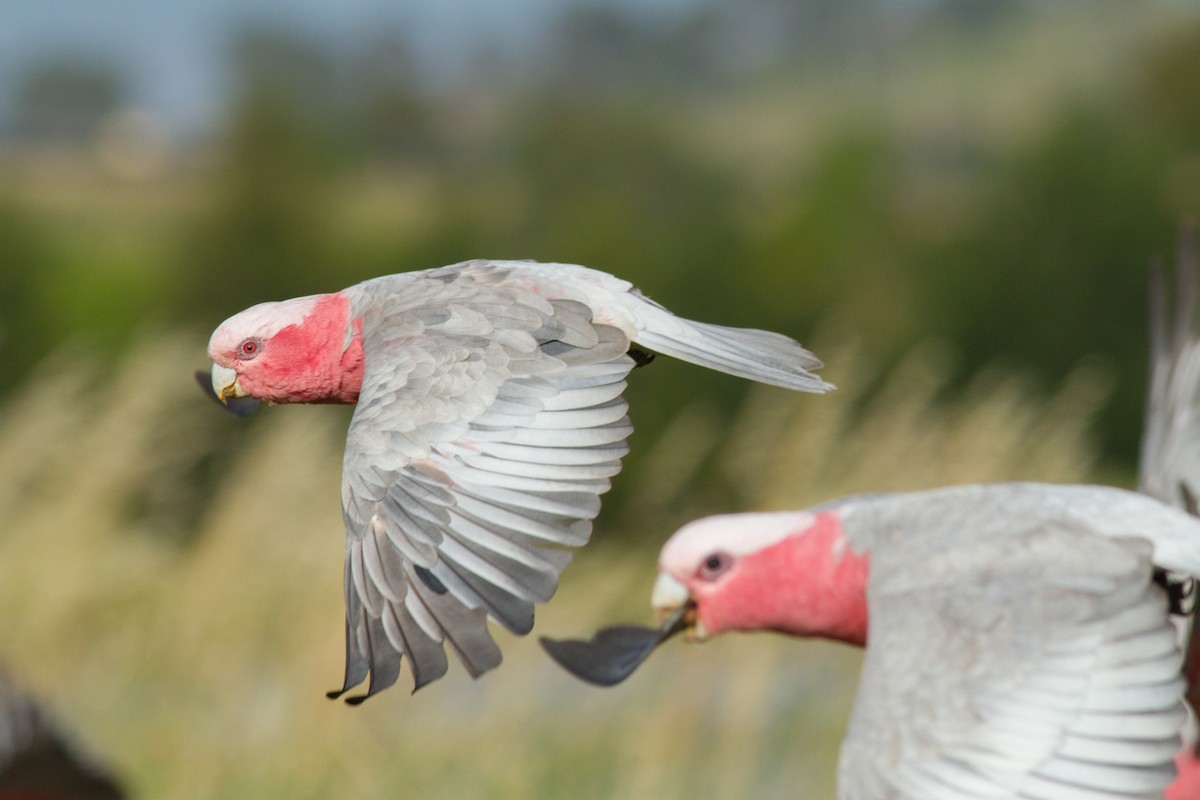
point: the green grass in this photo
(198, 669)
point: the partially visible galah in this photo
(1019, 636)
(38, 761)
(1170, 463)
(490, 419)
(1022, 638)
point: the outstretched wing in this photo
(489, 423)
(1170, 459)
(1039, 666)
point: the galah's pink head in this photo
(305, 350)
(790, 572)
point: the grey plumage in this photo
(1170, 462)
(1058, 671)
(490, 421)
(1170, 459)
(1018, 645)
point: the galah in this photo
(38, 761)
(1019, 635)
(1021, 638)
(489, 420)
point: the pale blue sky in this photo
(173, 49)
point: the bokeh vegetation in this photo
(954, 205)
(997, 175)
(199, 671)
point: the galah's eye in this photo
(714, 566)
(249, 348)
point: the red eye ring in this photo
(249, 348)
(715, 565)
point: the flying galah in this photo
(489, 420)
(1021, 638)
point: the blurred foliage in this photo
(65, 101)
(264, 234)
(199, 671)
(391, 118)
(1056, 267)
(23, 247)
(955, 206)
(769, 168)
(1167, 96)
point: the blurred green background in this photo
(953, 202)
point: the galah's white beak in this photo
(225, 383)
(671, 600)
(222, 385)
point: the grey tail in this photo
(757, 355)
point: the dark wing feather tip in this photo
(609, 658)
(430, 580)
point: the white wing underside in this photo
(1038, 666)
(490, 421)
(470, 465)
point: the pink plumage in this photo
(307, 350)
(744, 590)
(1187, 784)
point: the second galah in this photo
(489, 420)
(1019, 640)
(1023, 639)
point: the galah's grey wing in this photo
(1170, 457)
(1037, 666)
(37, 760)
(488, 426)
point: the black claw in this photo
(240, 407)
(335, 694)
(357, 700)
(640, 357)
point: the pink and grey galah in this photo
(489, 420)
(1019, 636)
(1023, 640)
